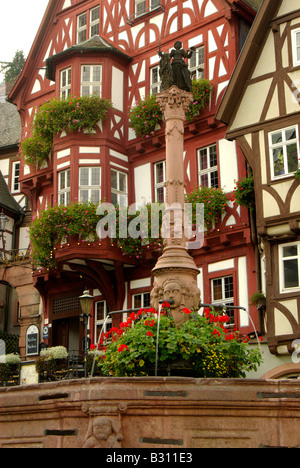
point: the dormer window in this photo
(65, 83)
(88, 21)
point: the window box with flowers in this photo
(215, 203)
(146, 117)
(202, 345)
(73, 114)
(62, 224)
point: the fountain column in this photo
(175, 272)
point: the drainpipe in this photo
(7, 307)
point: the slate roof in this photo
(10, 124)
(94, 44)
(6, 199)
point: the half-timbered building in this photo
(111, 47)
(261, 108)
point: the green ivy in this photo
(74, 114)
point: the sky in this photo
(19, 23)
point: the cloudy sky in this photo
(19, 23)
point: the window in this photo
(160, 177)
(15, 186)
(284, 152)
(296, 47)
(81, 28)
(94, 21)
(101, 312)
(144, 6)
(90, 184)
(87, 22)
(65, 83)
(223, 294)
(208, 166)
(154, 80)
(64, 185)
(196, 64)
(119, 194)
(91, 76)
(141, 301)
(289, 267)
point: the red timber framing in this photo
(125, 42)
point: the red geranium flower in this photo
(123, 347)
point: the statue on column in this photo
(174, 69)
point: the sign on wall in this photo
(32, 341)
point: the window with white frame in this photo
(94, 21)
(64, 187)
(15, 184)
(90, 184)
(208, 166)
(154, 80)
(81, 27)
(159, 181)
(141, 301)
(284, 151)
(119, 194)
(144, 6)
(197, 64)
(222, 293)
(91, 80)
(296, 47)
(65, 83)
(101, 318)
(289, 267)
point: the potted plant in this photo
(52, 363)
(202, 343)
(297, 174)
(9, 369)
(258, 299)
(244, 192)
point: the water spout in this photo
(171, 302)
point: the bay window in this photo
(65, 83)
(91, 80)
(119, 194)
(90, 184)
(64, 187)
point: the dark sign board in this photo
(32, 341)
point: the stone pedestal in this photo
(175, 272)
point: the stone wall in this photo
(153, 412)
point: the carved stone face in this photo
(102, 429)
(173, 291)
